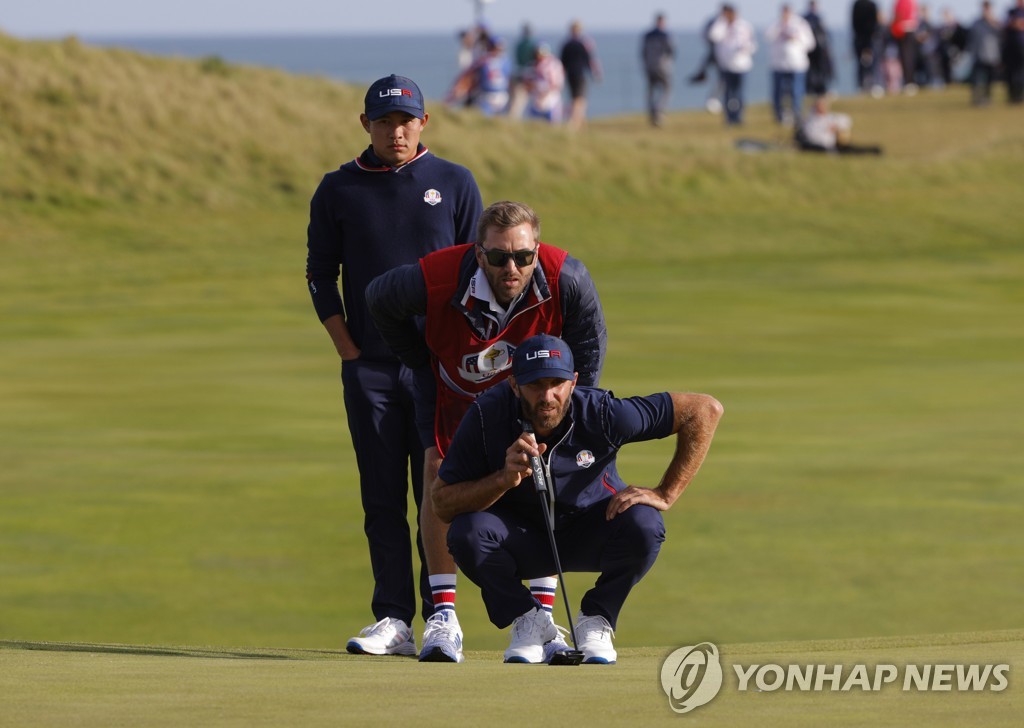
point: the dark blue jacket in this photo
(367, 218)
(580, 460)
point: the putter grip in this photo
(536, 465)
(538, 473)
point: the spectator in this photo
(544, 84)
(829, 132)
(790, 40)
(485, 84)
(904, 35)
(526, 48)
(707, 60)
(864, 25)
(579, 59)
(1014, 61)
(734, 53)
(952, 43)
(983, 44)
(467, 43)
(820, 71)
(708, 64)
(471, 45)
(658, 53)
(891, 67)
(928, 72)
(525, 53)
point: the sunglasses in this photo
(500, 258)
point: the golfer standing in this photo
(392, 205)
(498, 534)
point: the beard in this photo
(547, 416)
(506, 288)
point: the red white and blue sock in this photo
(442, 588)
(543, 590)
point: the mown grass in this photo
(175, 464)
(90, 684)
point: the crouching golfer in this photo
(498, 535)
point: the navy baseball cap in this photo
(542, 356)
(393, 93)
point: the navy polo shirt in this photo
(581, 453)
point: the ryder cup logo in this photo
(492, 361)
(584, 458)
(691, 676)
(432, 197)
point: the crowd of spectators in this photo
(909, 49)
(898, 47)
(535, 85)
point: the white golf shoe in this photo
(386, 637)
(530, 632)
(442, 638)
(556, 644)
(595, 640)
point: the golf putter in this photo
(573, 656)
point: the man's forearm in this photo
(337, 329)
(451, 499)
(696, 418)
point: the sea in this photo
(430, 60)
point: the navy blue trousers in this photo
(788, 85)
(499, 548)
(732, 97)
(379, 405)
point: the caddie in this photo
(479, 302)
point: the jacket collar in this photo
(368, 161)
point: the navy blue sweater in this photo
(367, 218)
(581, 455)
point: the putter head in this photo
(567, 657)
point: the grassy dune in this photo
(175, 465)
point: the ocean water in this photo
(430, 60)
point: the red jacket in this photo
(904, 18)
(466, 364)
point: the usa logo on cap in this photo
(393, 93)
